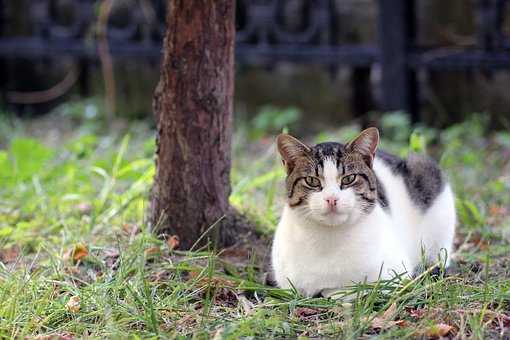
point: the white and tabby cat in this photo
(351, 211)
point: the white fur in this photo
(317, 251)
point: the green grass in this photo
(77, 260)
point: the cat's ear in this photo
(291, 149)
(366, 144)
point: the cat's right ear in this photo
(291, 149)
(366, 144)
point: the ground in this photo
(76, 258)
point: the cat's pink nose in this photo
(332, 201)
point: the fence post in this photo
(361, 98)
(397, 32)
(3, 60)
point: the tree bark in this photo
(193, 105)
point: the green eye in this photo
(312, 181)
(346, 180)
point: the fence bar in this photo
(361, 97)
(397, 22)
(3, 62)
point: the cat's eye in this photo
(313, 182)
(346, 180)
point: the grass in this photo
(76, 259)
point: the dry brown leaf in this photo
(187, 321)
(505, 319)
(152, 251)
(438, 330)
(76, 253)
(218, 335)
(9, 254)
(497, 210)
(111, 257)
(305, 313)
(131, 228)
(386, 321)
(73, 305)
(173, 242)
(417, 313)
(226, 297)
(246, 304)
(478, 241)
(159, 276)
(72, 270)
(390, 312)
(378, 323)
(215, 281)
(80, 251)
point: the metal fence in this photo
(136, 31)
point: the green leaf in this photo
(5, 168)
(417, 142)
(6, 231)
(29, 157)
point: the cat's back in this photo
(421, 176)
(419, 201)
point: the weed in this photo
(76, 258)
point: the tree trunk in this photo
(193, 105)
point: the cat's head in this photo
(331, 183)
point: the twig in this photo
(36, 97)
(105, 57)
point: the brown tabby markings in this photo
(348, 162)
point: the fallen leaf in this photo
(73, 305)
(159, 276)
(239, 251)
(225, 297)
(378, 323)
(417, 313)
(131, 230)
(76, 253)
(72, 270)
(478, 241)
(218, 335)
(438, 330)
(390, 312)
(111, 252)
(152, 251)
(246, 304)
(215, 281)
(187, 321)
(385, 321)
(9, 254)
(79, 252)
(173, 242)
(304, 313)
(111, 256)
(506, 320)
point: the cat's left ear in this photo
(366, 144)
(291, 149)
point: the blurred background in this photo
(310, 63)
(77, 146)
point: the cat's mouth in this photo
(335, 215)
(335, 211)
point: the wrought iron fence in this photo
(135, 29)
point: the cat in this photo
(354, 214)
